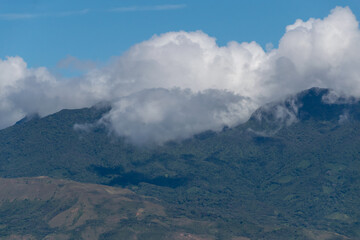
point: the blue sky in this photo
(44, 32)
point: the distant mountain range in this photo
(291, 172)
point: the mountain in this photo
(292, 170)
(316, 104)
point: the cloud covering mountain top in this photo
(180, 83)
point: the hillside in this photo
(292, 170)
(46, 208)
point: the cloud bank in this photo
(180, 83)
(159, 115)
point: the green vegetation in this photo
(301, 181)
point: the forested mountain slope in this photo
(292, 170)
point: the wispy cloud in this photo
(19, 16)
(15, 16)
(23, 16)
(149, 8)
(70, 13)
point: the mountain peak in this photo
(319, 104)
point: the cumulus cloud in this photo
(25, 91)
(324, 52)
(181, 83)
(159, 115)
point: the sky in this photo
(45, 32)
(176, 68)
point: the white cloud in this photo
(24, 16)
(325, 52)
(159, 115)
(160, 88)
(25, 91)
(19, 16)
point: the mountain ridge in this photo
(320, 104)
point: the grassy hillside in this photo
(263, 179)
(46, 208)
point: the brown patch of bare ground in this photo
(93, 210)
